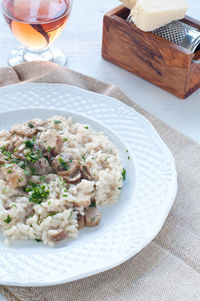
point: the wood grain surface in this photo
(151, 57)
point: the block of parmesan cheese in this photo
(129, 3)
(149, 15)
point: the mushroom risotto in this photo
(53, 175)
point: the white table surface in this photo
(81, 41)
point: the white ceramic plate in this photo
(127, 226)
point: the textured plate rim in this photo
(170, 202)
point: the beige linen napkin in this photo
(168, 268)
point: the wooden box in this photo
(155, 59)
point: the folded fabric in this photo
(168, 268)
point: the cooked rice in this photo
(56, 214)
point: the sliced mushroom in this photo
(42, 166)
(7, 207)
(92, 217)
(65, 161)
(51, 142)
(85, 173)
(47, 155)
(20, 155)
(57, 235)
(67, 168)
(24, 129)
(38, 149)
(14, 142)
(73, 179)
(29, 128)
(10, 146)
(81, 221)
(14, 175)
(73, 167)
(18, 141)
(2, 159)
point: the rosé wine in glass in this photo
(36, 24)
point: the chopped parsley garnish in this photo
(42, 178)
(63, 164)
(64, 139)
(24, 166)
(63, 182)
(84, 159)
(93, 219)
(38, 193)
(8, 220)
(6, 153)
(127, 150)
(38, 240)
(3, 149)
(34, 156)
(32, 169)
(30, 143)
(31, 157)
(13, 206)
(21, 164)
(124, 174)
(8, 165)
(92, 204)
(31, 125)
(16, 160)
(26, 172)
(128, 157)
(86, 127)
(49, 203)
(57, 121)
(20, 179)
(65, 195)
(49, 149)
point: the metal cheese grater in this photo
(179, 33)
(168, 57)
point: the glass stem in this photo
(31, 55)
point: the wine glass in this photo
(36, 24)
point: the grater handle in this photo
(191, 40)
(196, 62)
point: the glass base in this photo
(22, 54)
